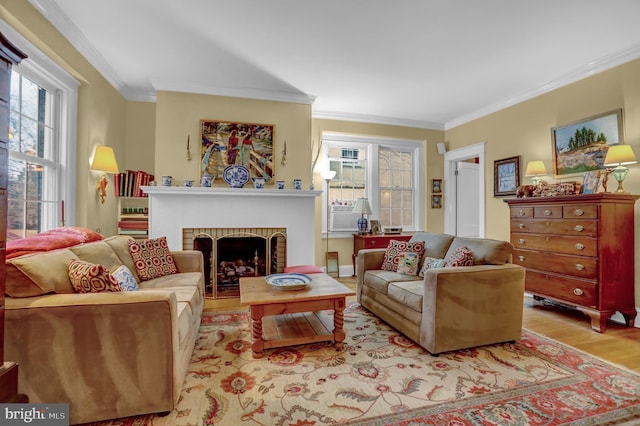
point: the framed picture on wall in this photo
(436, 186)
(226, 143)
(436, 201)
(581, 146)
(506, 175)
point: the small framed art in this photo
(506, 174)
(375, 226)
(436, 186)
(590, 182)
(436, 201)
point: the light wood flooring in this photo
(619, 345)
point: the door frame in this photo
(450, 190)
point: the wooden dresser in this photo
(578, 250)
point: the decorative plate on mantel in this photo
(236, 175)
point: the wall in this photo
(525, 129)
(434, 218)
(101, 112)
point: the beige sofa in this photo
(450, 308)
(107, 355)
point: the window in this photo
(386, 171)
(42, 122)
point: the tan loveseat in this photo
(450, 308)
(107, 355)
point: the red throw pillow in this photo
(396, 249)
(88, 277)
(152, 258)
(461, 256)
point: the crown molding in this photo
(363, 118)
(594, 67)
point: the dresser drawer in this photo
(582, 246)
(548, 212)
(574, 290)
(523, 212)
(587, 228)
(579, 211)
(577, 266)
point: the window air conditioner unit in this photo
(342, 218)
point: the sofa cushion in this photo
(379, 280)
(461, 256)
(39, 273)
(431, 263)
(125, 278)
(408, 263)
(98, 252)
(120, 246)
(407, 293)
(152, 258)
(485, 251)
(435, 245)
(86, 277)
(396, 249)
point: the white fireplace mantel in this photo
(172, 209)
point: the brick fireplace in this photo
(181, 213)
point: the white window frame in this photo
(43, 71)
(373, 145)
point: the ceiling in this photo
(422, 63)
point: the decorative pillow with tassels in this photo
(152, 258)
(396, 249)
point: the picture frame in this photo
(436, 201)
(223, 143)
(590, 182)
(436, 186)
(375, 226)
(582, 145)
(506, 175)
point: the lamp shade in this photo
(328, 174)
(535, 168)
(362, 206)
(618, 155)
(104, 160)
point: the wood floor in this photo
(619, 345)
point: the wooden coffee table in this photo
(294, 317)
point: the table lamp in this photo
(619, 156)
(362, 206)
(535, 169)
(104, 161)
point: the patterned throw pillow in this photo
(125, 278)
(461, 256)
(396, 248)
(408, 263)
(152, 258)
(432, 263)
(89, 277)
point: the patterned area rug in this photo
(382, 378)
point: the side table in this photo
(369, 241)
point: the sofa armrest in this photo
(471, 306)
(189, 260)
(95, 351)
(368, 259)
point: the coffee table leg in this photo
(257, 347)
(338, 321)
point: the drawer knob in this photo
(580, 246)
(521, 225)
(521, 258)
(521, 241)
(547, 212)
(579, 228)
(579, 267)
(578, 212)
(578, 292)
(521, 212)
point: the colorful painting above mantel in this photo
(224, 144)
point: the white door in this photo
(467, 218)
